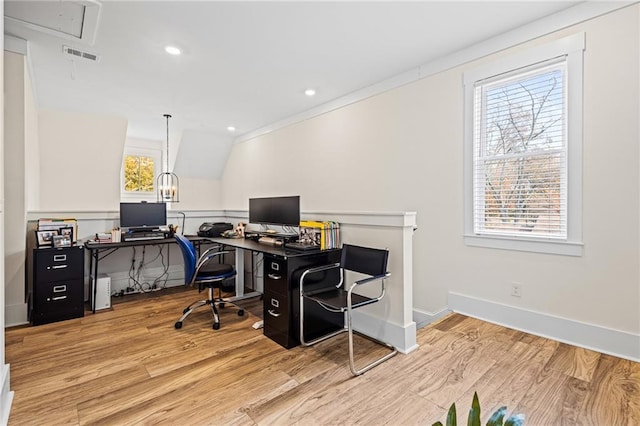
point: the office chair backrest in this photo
(189, 256)
(365, 260)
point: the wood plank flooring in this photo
(128, 365)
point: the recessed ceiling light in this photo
(172, 50)
(231, 129)
(309, 92)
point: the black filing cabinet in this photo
(281, 297)
(57, 286)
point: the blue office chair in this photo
(205, 272)
(366, 261)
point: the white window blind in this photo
(520, 152)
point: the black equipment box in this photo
(209, 229)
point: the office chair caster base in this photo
(185, 310)
(241, 312)
(216, 326)
(221, 304)
(178, 325)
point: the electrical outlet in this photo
(516, 289)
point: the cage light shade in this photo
(167, 184)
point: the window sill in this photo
(564, 248)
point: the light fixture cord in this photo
(168, 117)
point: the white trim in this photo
(6, 395)
(402, 337)
(566, 18)
(518, 244)
(589, 336)
(114, 214)
(572, 46)
(15, 315)
(157, 154)
(424, 318)
(15, 45)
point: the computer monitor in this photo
(283, 211)
(143, 215)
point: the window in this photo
(140, 168)
(523, 150)
(139, 173)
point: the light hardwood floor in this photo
(130, 366)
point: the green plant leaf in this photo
(452, 418)
(515, 420)
(437, 424)
(474, 412)
(497, 418)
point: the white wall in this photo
(80, 160)
(402, 151)
(6, 395)
(198, 194)
(15, 78)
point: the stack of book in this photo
(61, 226)
(323, 234)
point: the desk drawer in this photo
(276, 310)
(275, 275)
(58, 300)
(59, 264)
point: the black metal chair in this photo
(368, 261)
(205, 272)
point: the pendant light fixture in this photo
(167, 182)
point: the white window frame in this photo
(132, 196)
(572, 47)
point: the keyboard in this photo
(302, 246)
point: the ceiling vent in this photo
(80, 54)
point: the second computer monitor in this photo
(284, 211)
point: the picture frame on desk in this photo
(61, 240)
(44, 238)
(67, 231)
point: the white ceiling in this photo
(247, 64)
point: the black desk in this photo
(98, 251)
(282, 270)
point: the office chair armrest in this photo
(322, 268)
(319, 269)
(369, 279)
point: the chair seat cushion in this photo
(336, 298)
(214, 270)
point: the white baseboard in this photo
(403, 338)
(15, 315)
(424, 318)
(6, 396)
(613, 342)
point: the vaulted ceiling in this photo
(243, 64)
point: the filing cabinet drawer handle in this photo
(273, 313)
(59, 288)
(59, 298)
(57, 267)
(59, 257)
(274, 276)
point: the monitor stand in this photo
(143, 229)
